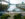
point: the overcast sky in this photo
(15, 1)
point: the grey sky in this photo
(15, 1)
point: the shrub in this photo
(5, 16)
(17, 16)
(3, 7)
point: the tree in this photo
(3, 7)
(17, 16)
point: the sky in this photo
(15, 1)
(4, 3)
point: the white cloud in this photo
(4, 3)
(15, 1)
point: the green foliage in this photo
(24, 9)
(5, 16)
(24, 17)
(3, 7)
(17, 16)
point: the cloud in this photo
(15, 1)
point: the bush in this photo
(3, 7)
(17, 16)
(5, 16)
(24, 17)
